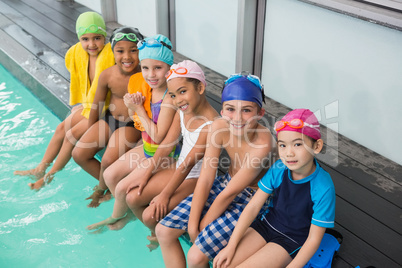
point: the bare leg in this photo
(277, 255)
(64, 154)
(122, 140)
(122, 167)
(90, 143)
(84, 153)
(123, 222)
(120, 208)
(148, 217)
(54, 145)
(105, 222)
(196, 258)
(172, 252)
(153, 242)
(185, 189)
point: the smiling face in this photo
(184, 93)
(92, 43)
(297, 152)
(126, 56)
(241, 115)
(154, 72)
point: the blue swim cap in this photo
(157, 47)
(243, 87)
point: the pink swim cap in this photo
(300, 120)
(188, 69)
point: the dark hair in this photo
(194, 81)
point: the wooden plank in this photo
(355, 251)
(37, 48)
(371, 179)
(347, 189)
(43, 21)
(59, 18)
(385, 240)
(28, 26)
(63, 8)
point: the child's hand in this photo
(137, 98)
(134, 101)
(193, 233)
(139, 182)
(224, 258)
(127, 99)
(160, 205)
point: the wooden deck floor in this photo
(34, 37)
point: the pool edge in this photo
(45, 83)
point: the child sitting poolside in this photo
(154, 114)
(303, 203)
(85, 61)
(210, 214)
(115, 130)
(158, 188)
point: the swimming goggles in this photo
(152, 43)
(294, 123)
(252, 78)
(181, 71)
(130, 36)
(93, 28)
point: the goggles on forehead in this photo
(93, 28)
(130, 36)
(294, 123)
(252, 78)
(152, 43)
(181, 71)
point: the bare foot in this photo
(103, 223)
(37, 185)
(37, 172)
(95, 196)
(41, 182)
(106, 197)
(154, 244)
(118, 225)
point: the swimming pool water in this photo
(47, 228)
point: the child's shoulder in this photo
(263, 134)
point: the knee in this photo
(132, 199)
(162, 233)
(60, 131)
(77, 155)
(120, 191)
(196, 258)
(107, 161)
(70, 137)
(111, 177)
(148, 218)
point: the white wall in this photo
(206, 32)
(347, 69)
(92, 4)
(138, 13)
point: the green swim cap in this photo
(90, 22)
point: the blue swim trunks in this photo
(217, 234)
